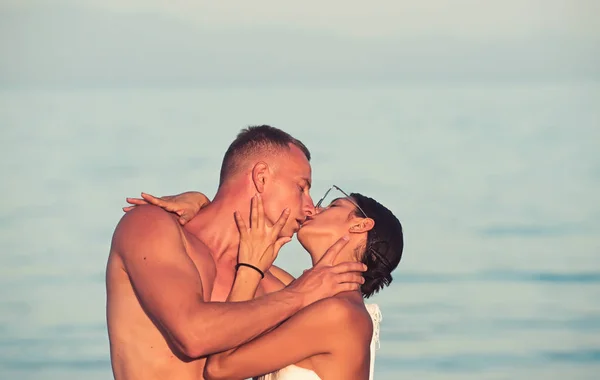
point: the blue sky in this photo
(153, 43)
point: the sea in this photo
(497, 186)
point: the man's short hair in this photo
(262, 139)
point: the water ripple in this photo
(532, 230)
(501, 276)
(89, 364)
(481, 362)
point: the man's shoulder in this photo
(145, 222)
(148, 215)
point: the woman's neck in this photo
(347, 254)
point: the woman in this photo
(332, 338)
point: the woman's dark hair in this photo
(384, 245)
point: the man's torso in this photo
(139, 349)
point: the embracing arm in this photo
(169, 288)
(281, 275)
(307, 329)
(317, 329)
(314, 330)
(186, 205)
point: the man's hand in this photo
(186, 205)
(325, 279)
(260, 244)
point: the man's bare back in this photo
(139, 350)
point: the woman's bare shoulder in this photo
(343, 315)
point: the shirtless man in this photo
(167, 283)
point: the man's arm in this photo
(170, 289)
(324, 327)
(298, 338)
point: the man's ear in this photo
(260, 172)
(362, 225)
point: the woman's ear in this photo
(362, 225)
(260, 171)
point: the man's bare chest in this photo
(217, 278)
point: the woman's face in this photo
(320, 231)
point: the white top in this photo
(293, 372)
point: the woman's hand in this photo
(260, 243)
(186, 205)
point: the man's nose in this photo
(310, 211)
(309, 208)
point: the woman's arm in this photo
(186, 205)
(281, 275)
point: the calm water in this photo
(497, 187)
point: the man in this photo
(166, 283)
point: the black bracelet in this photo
(262, 275)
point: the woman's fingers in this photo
(280, 243)
(280, 223)
(254, 212)
(241, 225)
(260, 212)
(158, 201)
(136, 201)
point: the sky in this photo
(150, 42)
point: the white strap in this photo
(376, 317)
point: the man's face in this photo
(289, 187)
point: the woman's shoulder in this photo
(345, 315)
